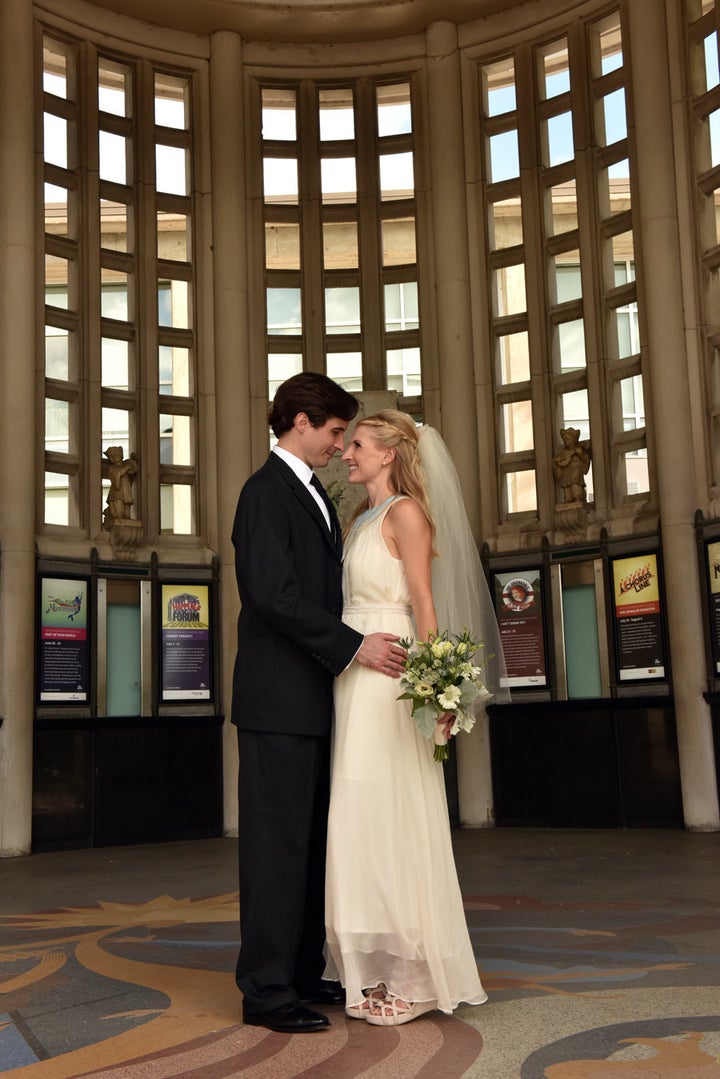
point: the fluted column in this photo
(669, 393)
(17, 423)
(454, 344)
(232, 359)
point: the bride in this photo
(396, 930)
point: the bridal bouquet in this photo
(442, 682)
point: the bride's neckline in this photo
(370, 514)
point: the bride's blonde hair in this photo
(396, 430)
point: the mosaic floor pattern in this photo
(579, 989)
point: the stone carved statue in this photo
(571, 464)
(121, 472)
(125, 531)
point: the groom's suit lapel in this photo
(300, 491)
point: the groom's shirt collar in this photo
(304, 473)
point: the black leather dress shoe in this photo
(293, 1018)
(322, 993)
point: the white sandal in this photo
(394, 1011)
(373, 998)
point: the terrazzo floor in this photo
(600, 952)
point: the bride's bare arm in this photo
(406, 531)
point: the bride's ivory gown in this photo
(393, 905)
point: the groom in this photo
(291, 644)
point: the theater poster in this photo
(186, 664)
(713, 557)
(638, 621)
(518, 609)
(64, 647)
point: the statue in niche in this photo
(121, 472)
(571, 464)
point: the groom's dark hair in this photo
(314, 394)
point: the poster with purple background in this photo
(186, 664)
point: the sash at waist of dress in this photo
(382, 608)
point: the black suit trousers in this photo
(284, 784)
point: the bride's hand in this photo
(446, 722)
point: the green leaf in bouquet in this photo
(425, 716)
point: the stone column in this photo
(670, 397)
(232, 358)
(454, 345)
(17, 423)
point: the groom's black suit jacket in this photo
(291, 642)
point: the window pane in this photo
(394, 115)
(505, 225)
(282, 246)
(113, 88)
(562, 208)
(55, 68)
(517, 427)
(172, 98)
(404, 372)
(171, 169)
(114, 226)
(57, 210)
(340, 245)
(338, 180)
(398, 242)
(57, 353)
(556, 71)
(115, 364)
(560, 139)
(520, 491)
(610, 45)
(397, 179)
(568, 284)
(637, 476)
(113, 157)
(280, 180)
(504, 159)
(614, 189)
(633, 403)
(499, 87)
(342, 310)
(55, 133)
(627, 331)
(57, 501)
(175, 444)
(57, 281)
(283, 311)
(510, 290)
(623, 255)
(114, 295)
(615, 117)
(174, 304)
(712, 72)
(337, 116)
(575, 412)
(714, 128)
(514, 356)
(116, 429)
(282, 366)
(174, 236)
(346, 369)
(174, 370)
(571, 345)
(401, 306)
(278, 115)
(176, 514)
(57, 426)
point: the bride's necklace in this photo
(371, 514)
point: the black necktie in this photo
(315, 482)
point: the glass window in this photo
(278, 115)
(337, 114)
(504, 156)
(394, 116)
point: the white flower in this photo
(423, 689)
(449, 697)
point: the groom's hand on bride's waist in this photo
(381, 652)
